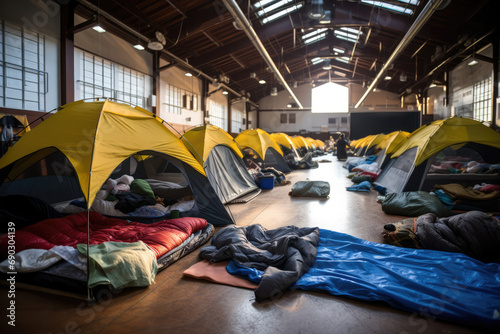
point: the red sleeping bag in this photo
(161, 236)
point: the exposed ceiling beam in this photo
(238, 15)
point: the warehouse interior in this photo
(240, 65)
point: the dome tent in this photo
(216, 150)
(264, 149)
(286, 143)
(410, 166)
(75, 151)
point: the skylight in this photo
(270, 10)
(348, 34)
(316, 60)
(343, 59)
(403, 9)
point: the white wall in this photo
(42, 17)
(174, 76)
(113, 48)
(271, 107)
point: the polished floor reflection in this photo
(175, 304)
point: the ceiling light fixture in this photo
(225, 92)
(99, 29)
(387, 78)
(472, 62)
(274, 91)
(262, 81)
(139, 47)
(188, 74)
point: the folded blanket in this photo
(458, 191)
(284, 254)
(120, 264)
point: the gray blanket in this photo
(474, 233)
(284, 254)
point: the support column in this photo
(156, 83)
(67, 53)
(229, 113)
(496, 69)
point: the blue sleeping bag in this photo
(449, 286)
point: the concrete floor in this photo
(175, 304)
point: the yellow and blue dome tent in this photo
(222, 160)
(74, 152)
(262, 146)
(286, 143)
(462, 139)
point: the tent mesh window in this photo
(396, 176)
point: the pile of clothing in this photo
(481, 197)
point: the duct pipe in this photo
(170, 55)
(240, 18)
(422, 18)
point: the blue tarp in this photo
(449, 286)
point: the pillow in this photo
(142, 187)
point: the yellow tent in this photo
(371, 147)
(311, 142)
(222, 159)
(414, 162)
(282, 139)
(201, 140)
(320, 144)
(285, 141)
(258, 140)
(96, 137)
(300, 142)
(392, 140)
(263, 145)
(22, 120)
(434, 137)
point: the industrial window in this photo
(237, 120)
(100, 77)
(23, 80)
(173, 99)
(283, 118)
(177, 99)
(291, 118)
(217, 114)
(332, 121)
(343, 120)
(483, 109)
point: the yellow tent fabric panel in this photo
(320, 143)
(397, 140)
(258, 140)
(311, 142)
(282, 139)
(201, 140)
(365, 141)
(440, 134)
(96, 137)
(299, 142)
(377, 139)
